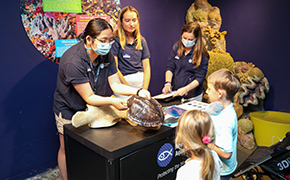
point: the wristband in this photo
(168, 82)
(138, 91)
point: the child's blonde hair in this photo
(226, 80)
(192, 127)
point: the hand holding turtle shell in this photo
(144, 93)
(120, 104)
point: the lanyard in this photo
(100, 66)
(96, 74)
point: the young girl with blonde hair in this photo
(194, 131)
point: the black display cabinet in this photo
(121, 152)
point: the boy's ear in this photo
(221, 93)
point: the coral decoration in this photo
(254, 84)
(209, 18)
(218, 60)
(202, 12)
(214, 39)
(256, 89)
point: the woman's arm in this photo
(184, 90)
(86, 92)
(200, 73)
(147, 73)
(167, 86)
(123, 89)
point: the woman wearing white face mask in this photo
(187, 64)
(84, 71)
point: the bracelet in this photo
(138, 91)
(167, 82)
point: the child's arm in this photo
(221, 153)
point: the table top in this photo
(118, 140)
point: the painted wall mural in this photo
(53, 32)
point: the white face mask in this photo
(187, 43)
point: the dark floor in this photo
(53, 174)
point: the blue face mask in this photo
(102, 48)
(187, 43)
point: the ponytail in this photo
(207, 166)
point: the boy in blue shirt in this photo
(222, 86)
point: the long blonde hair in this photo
(192, 126)
(199, 48)
(120, 32)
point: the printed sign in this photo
(165, 155)
(68, 6)
(61, 45)
(82, 21)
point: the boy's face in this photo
(213, 94)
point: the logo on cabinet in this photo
(165, 155)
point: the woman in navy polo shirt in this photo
(131, 51)
(84, 71)
(187, 64)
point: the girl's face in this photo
(129, 22)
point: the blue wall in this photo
(28, 137)
(257, 32)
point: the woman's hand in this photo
(167, 88)
(180, 92)
(144, 93)
(120, 104)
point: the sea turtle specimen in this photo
(145, 112)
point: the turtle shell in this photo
(145, 112)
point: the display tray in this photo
(114, 142)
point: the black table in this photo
(121, 152)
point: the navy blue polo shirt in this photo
(184, 72)
(130, 59)
(75, 67)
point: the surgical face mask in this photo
(187, 43)
(102, 48)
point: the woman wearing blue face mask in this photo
(84, 71)
(187, 64)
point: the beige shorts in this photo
(60, 122)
